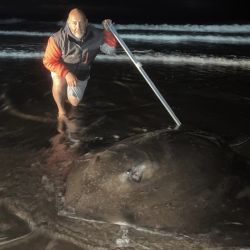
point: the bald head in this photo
(77, 22)
(76, 13)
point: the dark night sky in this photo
(158, 11)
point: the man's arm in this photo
(52, 59)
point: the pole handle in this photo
(144, 74)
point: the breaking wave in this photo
(160, 58)
(24, 33)
(217, 28)
(11, 21)
(151, 58)
(20, 54)
(187, 38)
(153, 38)
(225, 28)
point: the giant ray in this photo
(163, 180)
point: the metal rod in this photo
(144, 74)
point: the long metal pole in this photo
(144, 74)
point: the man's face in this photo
(77, 25)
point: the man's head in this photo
(77, 22)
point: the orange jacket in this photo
(64, 52)
(52, 59)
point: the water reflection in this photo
(11, 227)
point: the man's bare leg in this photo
(59, 93)
(59, 90)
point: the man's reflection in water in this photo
(73, 129)
(66, 148)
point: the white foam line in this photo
(154, 38)
(26, 21)
(180, 59)
(11, 21)
(224, 28)
(156, 58)
(23, 33)
(187, 38)
(20, 54)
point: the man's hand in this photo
(106, 24)
(71, 79)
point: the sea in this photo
(202, 72)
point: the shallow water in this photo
(116, 106)
(211, 96)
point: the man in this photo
(69, 55)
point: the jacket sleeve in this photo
(52, 59)
(110, 43)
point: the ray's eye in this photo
(135, 174)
